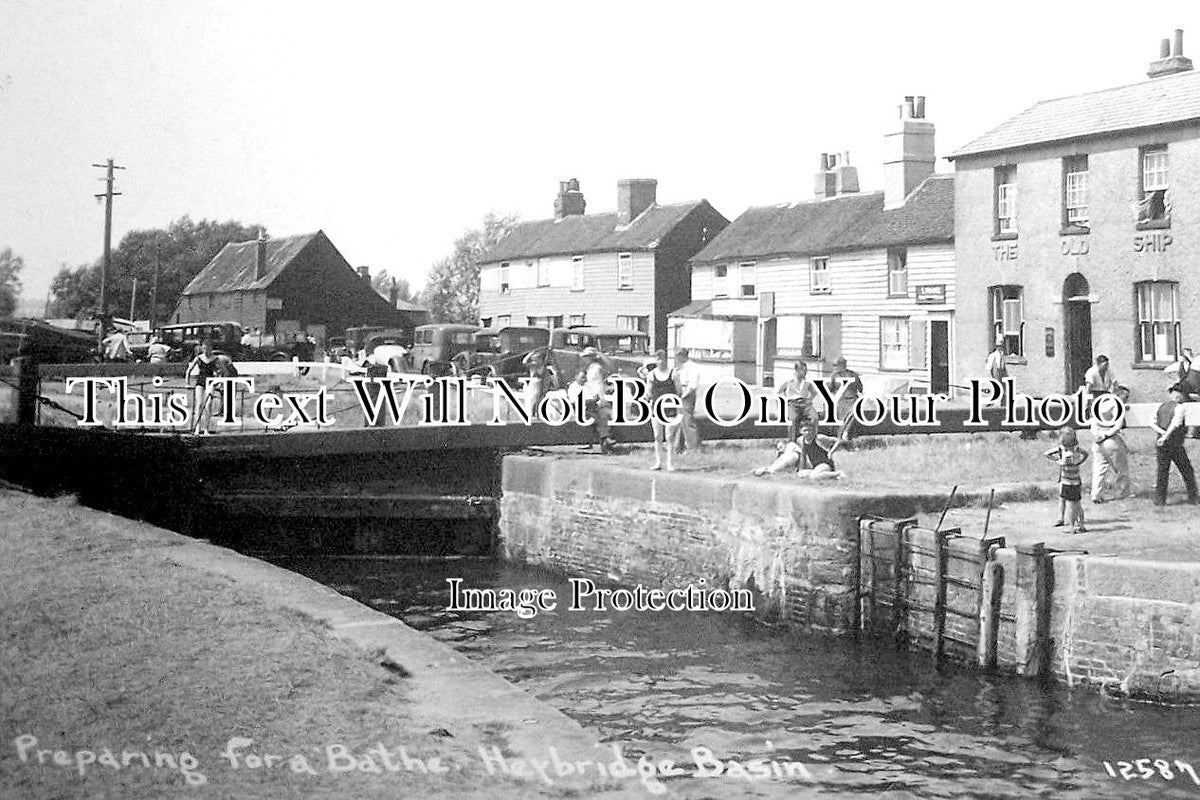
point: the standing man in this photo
(1168, 424)
(688, 376)
(116, 347)
(843, 375)
(798, 391)
(1100, 379)
(995, 366)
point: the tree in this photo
(178, 253)
(452, 292)
(10, 281)
(382, 284)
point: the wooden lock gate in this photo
(933, 588)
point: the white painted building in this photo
(864, 276)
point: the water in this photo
(865, 720)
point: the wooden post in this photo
(899, 557)
(1034, 586)
(27, 390)
(991, 592)
(939, 589)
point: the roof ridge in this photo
(1159, 79)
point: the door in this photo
(939, 356)
(1077, 330)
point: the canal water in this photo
(864, 720)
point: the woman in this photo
(204, 366)
(1110, 455)
(808, 454)
(662, 383)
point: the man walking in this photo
(688, 376)
(1100, 380)
(1168, 424)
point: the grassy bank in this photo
(111, 646)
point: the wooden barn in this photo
(290, 284)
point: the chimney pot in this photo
(919, 111)
(570, 202)
(365, 273)
(1170, 62)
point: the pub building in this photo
(1077, 231)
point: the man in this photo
(798, 392)
(1099, 380)
(595, 391)
(844, 376)
(116, 347)
(1168, 424)
(996, 367)
(157, 351)
(688, 375)
(247, 340)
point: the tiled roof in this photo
(697, 309)
(850, 222)
(233, 268)
(1161, 101)
(590, 233)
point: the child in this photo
(1069, 456)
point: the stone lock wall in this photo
(793, 546)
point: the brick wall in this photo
(794, 546)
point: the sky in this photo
(396, 126)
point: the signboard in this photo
(1050, 342)
(933, 294)
(274, 304)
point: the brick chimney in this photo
(908, 153)
(365, 273)
(570, 202)
(836, 177)
(1170, 61)
(260, 256)
(634, 195)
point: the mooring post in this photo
(940, 558)
(1034, 586)
(990, 595)
(27, 390)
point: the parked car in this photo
(336, 348)
(435, 346)
(388, 348)
(627, 350)
(183, 338)
(509, 346)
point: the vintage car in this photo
(626, 350)
(506, 350)
(388, 348)
(435, 346)
(183, 338)
(336, 348)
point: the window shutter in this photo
(831, 337)
(916, 343)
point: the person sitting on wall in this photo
(1099, 379)
(810, 454)
(598, 368)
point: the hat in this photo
(839, 362)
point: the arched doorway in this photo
(1077, 329)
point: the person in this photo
(843, 375)
(661, 380)
(1169, 425)
(302, 347)
(157, 351)
(811, 454)
(116, 347)
(1068, 456)
(799, 392)
(596, 398)
(536, 384)
(1099, 379)
(996, 365)
(247, 340)
(204, 366)
(1189, 378)
(1110, 456)
(687, 379)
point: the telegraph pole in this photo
(107, 196)
(154, 288)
